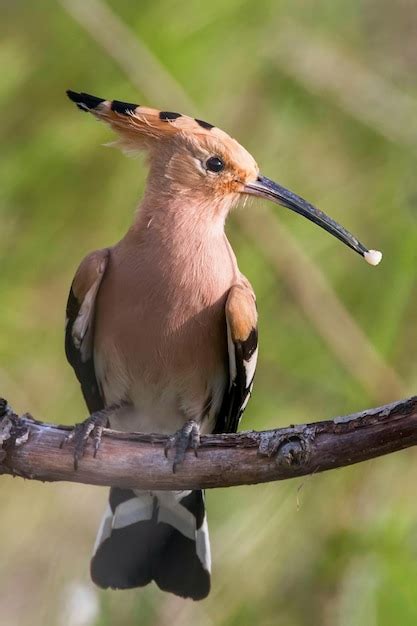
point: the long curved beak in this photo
(266, 188)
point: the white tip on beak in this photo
(373, 257)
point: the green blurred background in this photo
(324, 94)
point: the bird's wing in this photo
(79, 331)
(242, 341)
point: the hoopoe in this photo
(162, 332)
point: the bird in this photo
(162, 332)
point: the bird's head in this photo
(194, 160)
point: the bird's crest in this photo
(141, 125)
(193, 141)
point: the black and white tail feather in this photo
(160, 536)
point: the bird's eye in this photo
(214, 164)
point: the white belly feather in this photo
(161, 407)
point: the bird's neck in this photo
(179, 222)
(185, 241)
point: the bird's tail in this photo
(160, 536)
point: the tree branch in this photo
(31, 449)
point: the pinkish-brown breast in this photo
(160, 336)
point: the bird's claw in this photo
(91, 427)
(185, 438)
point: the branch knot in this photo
(14, 431)
(289, 446)
(293, 452)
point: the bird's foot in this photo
(91, 427)
(14, 431)
(186, 437)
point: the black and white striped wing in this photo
(242, 342)
(79, 330)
